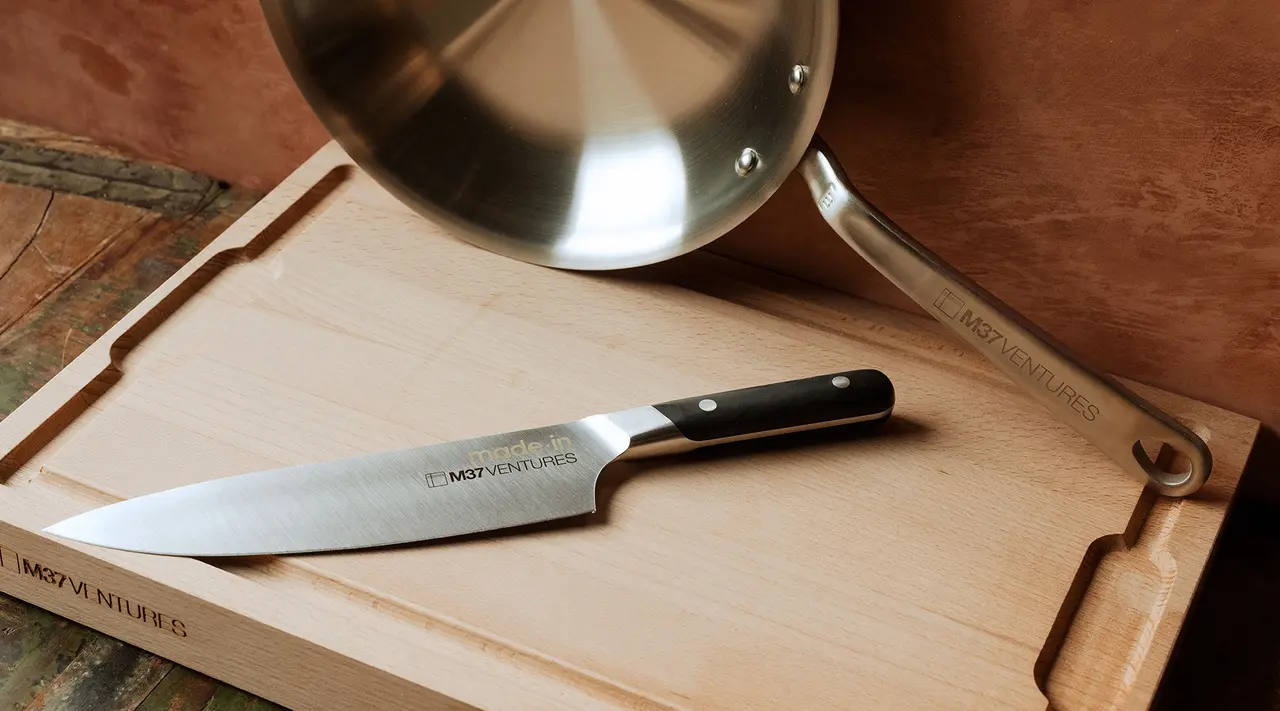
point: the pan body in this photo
(578, 134)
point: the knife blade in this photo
(456, 488)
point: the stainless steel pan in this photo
(598, 134)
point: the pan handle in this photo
(1112, 417)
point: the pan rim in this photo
(768, 180)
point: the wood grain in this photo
(181, 690)
(931, 566)
(45, 137)
(73, 233)
(36, 647)
(229, 699)
(71, 266)
(105, 673)
(1229, 650)
(24, 209)
(53, 313)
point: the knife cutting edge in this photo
(468, 486)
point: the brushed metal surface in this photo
(403, 496)
(385, 498)
(584, 134)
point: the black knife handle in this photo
(808, 403)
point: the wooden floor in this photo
(84, 236)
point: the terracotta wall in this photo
(1112, 169)
(191, 83)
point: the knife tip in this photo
(73, 528)
(59, 529)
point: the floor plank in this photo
(106, 675)
(180, 690)
(22, 209)
(116, 180)
(75, 231)
(35, 647)
(42, 137)
(230, 699)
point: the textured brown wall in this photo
(1110, 169)
(191, 83)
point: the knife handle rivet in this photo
(707, 405)
(840, 381)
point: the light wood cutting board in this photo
(973, 554)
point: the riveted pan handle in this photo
(1106, 413)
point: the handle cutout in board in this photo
(1105, 630)
(96, 370)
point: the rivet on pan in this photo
(840, 381)
(799, 75)
(748, 161)
(706, 405)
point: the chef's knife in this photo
(456, 488)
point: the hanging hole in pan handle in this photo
(1163, 461)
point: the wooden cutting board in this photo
(974, 554)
